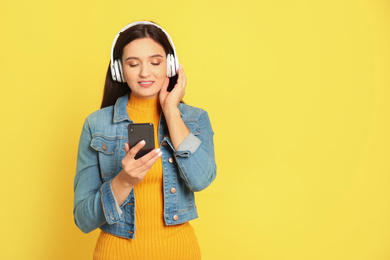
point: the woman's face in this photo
(144, 67)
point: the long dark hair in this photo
(113, 89)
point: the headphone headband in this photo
(116, 67)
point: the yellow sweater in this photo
(153, 239)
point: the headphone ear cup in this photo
(120, 68)
(173, 66)
(118, 73)
(169, 69)
(177, 65)
(113, 76)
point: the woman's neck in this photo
(140, 105)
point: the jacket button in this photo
(164, 143)
(173, 190)
(104, 146)
(175, 217)
(170, 160)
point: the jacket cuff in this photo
(189, 145)
(112, 211)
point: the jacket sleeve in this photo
(195, 156)
(94, 203)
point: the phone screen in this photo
(138, 132)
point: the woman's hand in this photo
(170, 100)
(133, 171)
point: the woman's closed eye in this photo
(133, 63)
(155, 62)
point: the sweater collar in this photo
(120, 109)
(143, 106)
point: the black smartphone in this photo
(138, 132)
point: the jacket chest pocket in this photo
(106, 148)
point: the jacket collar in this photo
(120, 109)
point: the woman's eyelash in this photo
(153, 63)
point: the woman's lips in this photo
(145, 84)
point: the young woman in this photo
(143, 206)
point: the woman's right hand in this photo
(133, 171)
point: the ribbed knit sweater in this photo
(153, 239)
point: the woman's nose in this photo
(145, 71)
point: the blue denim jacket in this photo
(99, 159)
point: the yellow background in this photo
(297, 92)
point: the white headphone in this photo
(116, 65)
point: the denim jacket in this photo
(188, 169)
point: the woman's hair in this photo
(113, 89)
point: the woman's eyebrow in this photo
(156, 56)
(132, 58)
(136, 58)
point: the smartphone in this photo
(138, 132)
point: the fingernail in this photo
(158, 150)
(160, 153)
(142, 141)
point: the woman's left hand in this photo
(169, 100)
